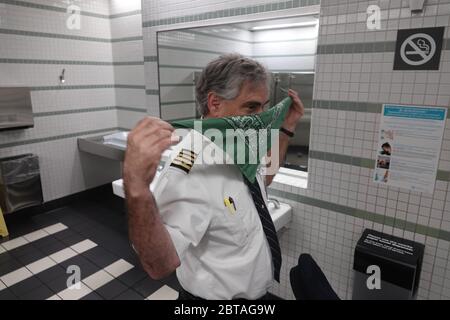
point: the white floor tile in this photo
(41, 265)
(14, 243)
(63, 255)
(2, 249)
(16, 276)
(36, 235)
(98, 279)
(2, 286)
(164, 293)
(119, 267)
(83, 246)
(54, 297)
(75, 294)
(55, 228)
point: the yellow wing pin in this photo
(184, 160)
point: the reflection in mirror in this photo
(287, 47)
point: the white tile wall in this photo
(129, 26)
(64, 170)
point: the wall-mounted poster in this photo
(409, 146)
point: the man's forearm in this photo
(149, 236)
(283, 146)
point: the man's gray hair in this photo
(225, 76)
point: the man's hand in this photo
(295, 113)
(146, 142)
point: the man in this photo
(207, 221)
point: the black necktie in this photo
(268, 226)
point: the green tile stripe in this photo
(243, 41)
(136, 38)
(74, 111)
(191, 49)
(86, 110)
(129, 86)
(152, 92)
(348, 106)
(66, 36)
(283, 55)
(355, 106)
(169, 66)
(52, 35)
(54, 138)
(150, 58)
(125, 14)
(362, 214)
(360, 162)
(140, 110)
(51, 8)
(71, 62)
(238, 11)
(363, 47)
(64, 10)
(218, 36)
(85, 87)
(162, 85)
(176, 102)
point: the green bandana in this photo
(242, 139)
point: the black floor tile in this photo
(51, 274)
(8, 265)
(64, 234)
(52, 247)
(44, 242)
(70, 241)
(29, 258)
(92, 296)
(100, 257)
(6, 294)
(112, 289)
(26, 286)
(40, 293)
(23, 250)
(147, 286)
(129, 295)
(58, 284)
(172, 281)
(132, 276)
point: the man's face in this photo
(251, 100)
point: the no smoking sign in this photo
(418, 49)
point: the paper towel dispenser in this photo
(16, 111)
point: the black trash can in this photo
(20, 183)
(396, 261)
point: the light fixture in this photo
(62, 78)
(286, 25)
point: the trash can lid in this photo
(399, 259)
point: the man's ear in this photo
(214, 103)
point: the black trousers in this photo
(184, 295)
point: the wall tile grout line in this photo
(362, 214)
(67, 37)
(442, 175)
(237, 11)
(64, 10)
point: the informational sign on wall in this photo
(419, 49)
(409, 146)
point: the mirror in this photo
(287, 47)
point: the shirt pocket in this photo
(238, 222)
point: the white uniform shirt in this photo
(223, 255)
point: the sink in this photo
(281, 214)
(118, 139)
